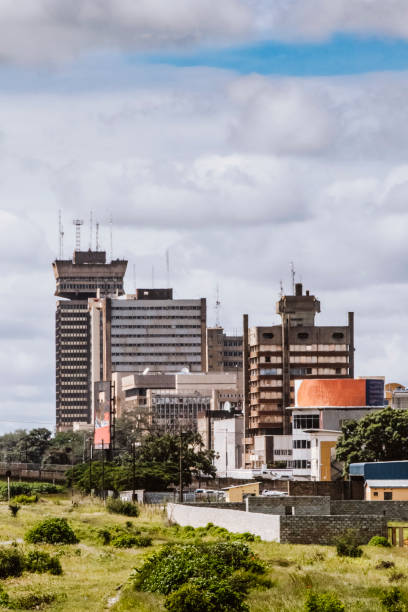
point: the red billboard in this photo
(102, 414)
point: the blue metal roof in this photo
(380, 470)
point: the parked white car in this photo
(269, 493)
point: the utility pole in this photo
(72, 468)
(180, 470)
(103, 472)
(133, 471)
(90, 465)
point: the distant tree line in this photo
(40, 446)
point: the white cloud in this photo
(236, 184)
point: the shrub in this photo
(28, 488)
(379, 541)
(385, 564)
(323, 602)
(51, 531)
(127, 540)
(174, 564)
(393, 601)
(11, 562)
(104, 536)
(31, 601)
(117, 506)
(347, 545)
(25, 499)
(40, 562)
(14, 508)
(201, 595)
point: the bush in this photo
(11, 562)
(393, 601)
(51, 531)
(175, 564)
(379, 541)
(347, 545)
(25, 499)
(40, 562)
(31, 601)
(323, 602)
(201, 595)
(14, 508)
(104, 535)
(117, 506)
(28, 488)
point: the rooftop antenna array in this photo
(168, 268)
(61, 235)
(281, 288)
(97, 236)
(293, 274)
(217, 307)
(90, 229)
(78, 223)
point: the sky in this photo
(239, 135)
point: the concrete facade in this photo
(227, 436)
(85, 276)
(289, 505)
(224, 352)
(277, 355)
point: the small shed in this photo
(237, 493)
(386, 490)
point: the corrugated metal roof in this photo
(387, 484)
(377, 470)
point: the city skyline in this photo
(238, 136)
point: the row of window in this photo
(299, 464)
(192, 336)
(158, 326)
(137, 307)
(155, 317)
(154, 344)
(301, 443)
(309, 421)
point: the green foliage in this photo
(51, 531)
(28, 488)
(323, 602)
(41, 562)
(212, 530)
(381, 435)
(25, 499)
(394, 601)
(12, 562)
(379, 541)
(201, 595)
(14, 508)
(128, 540)
(31, 601)
(175, 564)
(347, 545)
(118, 506)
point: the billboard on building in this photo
(318, 393)
(102, 415)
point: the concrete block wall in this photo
(324, 529)
(237, 521)
(392, 510)
(301, 505)
(226, 505)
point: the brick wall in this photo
(392, 510)
(324, 529)
(338, 489)
(299, 505)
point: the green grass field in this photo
(96, 576)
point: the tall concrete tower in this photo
(87, 275)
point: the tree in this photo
(61, 447)
(34, 444)
(381, 435)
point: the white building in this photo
(228, 446)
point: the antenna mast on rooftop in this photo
(90, 229)
(61, 235)
(293, 274)
(217, 307)
(97, 236)
(168, 268)
(78, 223)
(281, 288)
(111, 236)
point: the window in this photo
(375, 494)
(301, 443)
(387, 495)
(309, 421)
(303, 335)
(338, 335)
(268, 359)
(267, 335)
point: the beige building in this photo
(276, 356)
(238, 493)
(224, 352)
(324, 465)
(386, 490)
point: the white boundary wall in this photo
(267, 526)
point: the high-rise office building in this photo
(148, 331)
(85, 276)
(275, 356)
